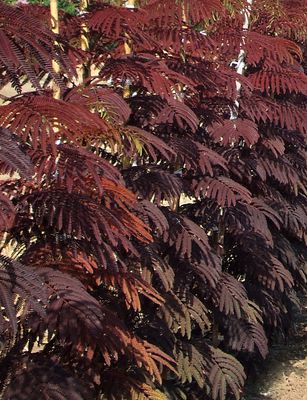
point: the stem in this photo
(84, 43)
(54, 15)
(128, 49)
(84, 40)
(126, 161)
(240, 63)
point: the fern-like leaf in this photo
(196, 156)
(176, 314)
(189, 240)
(279, 81)
(7, 212)
(78, 318)
(223, 190)
(79, 216)
(131, 286)
(37, 376)
(149, 73)
(12, 155)
(225, 371)
(283, 114)
(155, 184)
(231, 131)
(191, 363)
(74, 167)
(247, 336)
(27, 43)
(43, 120)
(20, 280)
(101, 99)
(230, 296)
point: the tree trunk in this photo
(54, 15)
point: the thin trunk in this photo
(83, 70)
(54, 14)
(126, 161)
(240, 63)
(234, 111)
(179, 96)
(128, 49)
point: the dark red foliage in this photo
(156, 221)
(22, 38)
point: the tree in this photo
(115, 277)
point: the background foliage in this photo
(156, 228)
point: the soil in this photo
(284, 373)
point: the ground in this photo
(284, 373)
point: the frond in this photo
(26, 44)
(78, 318)
(206, 273)
(176, 314)
(230, 296)
(101, 99)
(7, 212)
(167, 12)
(287, 252)
(136, 140)
(131, 287)
(279, 81)
(120, 25)
(233, 130)
(225, 371)
(38, 376)
(158, 266)
(13, 156)
(20, 280)
(79, 216)
(273, 310)
(150, 110)
(67, 256)
(177, 113)
(273, 274)
(42, 120)
(261, 47)
(155, 184)
(86, 268)
(275, 144)
(196, 156)
(189, 241)
(191, 363)
(113, 21)
(162, 13)
(198, 311)
(251, 219)
(145, 72)
(178, 39)
(154, 218)
(294, 217)
(223, 190)
(74, 167)
(283, 114)
(214, 81)
(198, 11)
(246, 336)
(146, 392)
(280, 170)
(269, 212)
